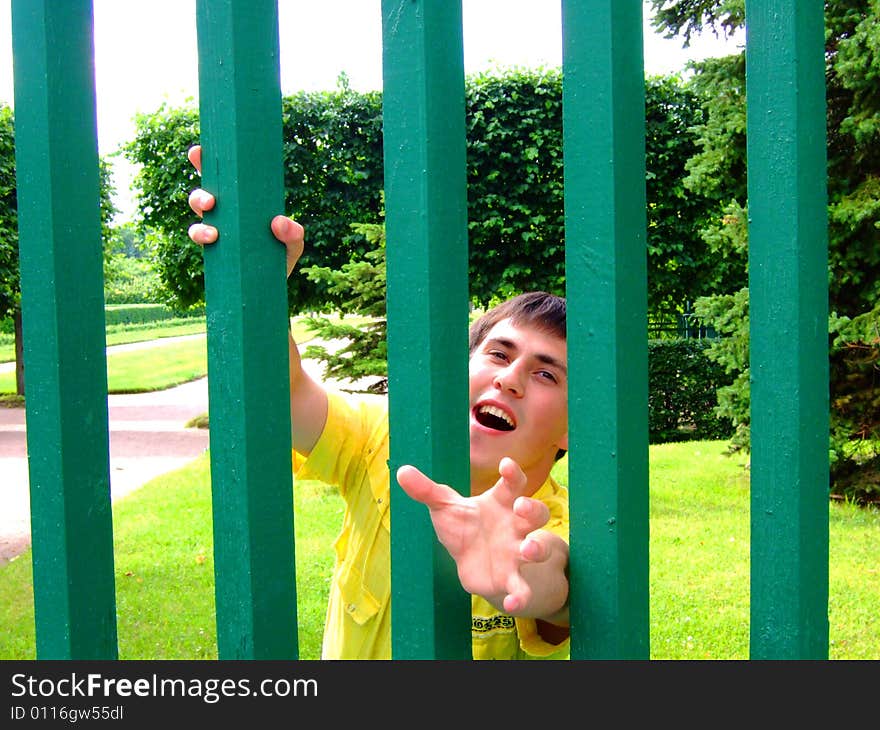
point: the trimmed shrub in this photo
(145, 313)
(682, 387)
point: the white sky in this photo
(145, 52)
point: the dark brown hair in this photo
(538, 309)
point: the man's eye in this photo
(497, 354)
(548, 375)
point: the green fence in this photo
(603, 95)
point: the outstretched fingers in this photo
(533, 551)
(519, 594)
(423, 489)
(531, 513)
(512, 482)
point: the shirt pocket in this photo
(359, 603)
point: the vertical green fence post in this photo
(62, 288)
(788, 293)
(605, 271)
(246, 295)
(427, 295)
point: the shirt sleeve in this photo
(354, 437)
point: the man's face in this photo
(518, 401)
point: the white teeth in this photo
(498, 413)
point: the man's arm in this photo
(308, 399)
(497, 543)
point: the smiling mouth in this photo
(494, 418)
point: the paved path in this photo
(148, 437)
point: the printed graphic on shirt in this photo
(490, 624)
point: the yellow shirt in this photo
(352, 453)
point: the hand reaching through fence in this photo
(308, 399)
(496, 541)
(286, 230)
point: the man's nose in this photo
(510, 380)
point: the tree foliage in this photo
(333, 166)
(162, 184)
(852, 34)
(687, 18)
(361, 286)
(9, 284)
(333, 178)
(332, 148)
(514, 183)
(683, 264)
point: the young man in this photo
(509, 538)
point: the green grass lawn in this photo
(164, 567)
(699, 565)
(142, 370)
(699, 549)
(121, 334)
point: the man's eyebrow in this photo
(499, 342)
(550, 360)
(541, 357)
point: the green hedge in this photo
(682, 386)
(145, 313)
(123, 314)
